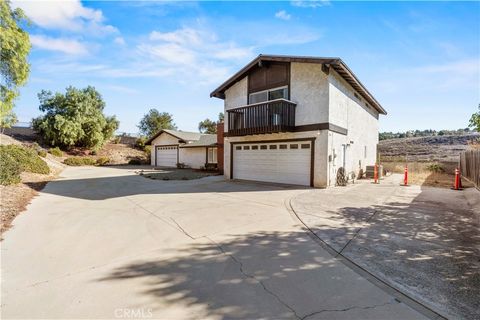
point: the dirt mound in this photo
(121, 153)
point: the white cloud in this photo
(459, 67)
(192, 53)
(182, 36)
(67, 46)
(282, 14)
(310, 3)
(119, 41)
(68, 15)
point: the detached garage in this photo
(191, 149)
(288, 162)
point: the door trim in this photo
(312, 152)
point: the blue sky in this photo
(421, 60)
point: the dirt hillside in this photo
(426, 149)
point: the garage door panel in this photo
(278, 165)
(166, 156)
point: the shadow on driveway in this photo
(268, 275)
(423, 241)
(83, 186)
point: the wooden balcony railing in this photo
(264, 117)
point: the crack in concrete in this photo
(346, 309)
(181, 229)
(359, 230)
(242, 271)
(176, 226)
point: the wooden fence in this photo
(470, 166)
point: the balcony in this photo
(264, 117)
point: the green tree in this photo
(14, 68)
(154, 121)
(475, 120)
(74, 119)
(209, 126)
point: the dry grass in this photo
(419, 173)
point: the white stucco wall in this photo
(235, 96)
(193, 157)
(320, 162)
(163, 139)
(309, 89)
(320, 98)
(347, 111)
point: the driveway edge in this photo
(402, 297)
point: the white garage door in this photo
(166, 156)
(282, 162)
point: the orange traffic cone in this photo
(405, 176)
(457, 183)
(375, 174)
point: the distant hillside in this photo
(423, 133)
(445, 148)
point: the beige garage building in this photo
(192, 149)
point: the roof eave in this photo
(335, 61)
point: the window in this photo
(283, 146)
(263, 147)
(273, 146)
(294, 146)
(267, 95)
(238, 148)
(246, 147)
(212, 155)
(305, 146)
(281, 93)
(254, 147)
(365, 152)
(258, 97)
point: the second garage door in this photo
(166, 156)
(282, 162)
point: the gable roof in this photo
(181, 135)
(336, 63)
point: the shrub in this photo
(434, 167)
(35, 146)
(16, 159)
(56, 152)
(42, 153)
(102, 161)
(79, 161)
(135, 162)
(117, 140)
(140, 143)
(9, 168)
(28, 159)
(93, 152)
(148, 150)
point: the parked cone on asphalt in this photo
(375, 173)
(405, 177)
(457, 183)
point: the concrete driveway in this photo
(424, 241)
(106, 243)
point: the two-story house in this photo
(297, 120)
